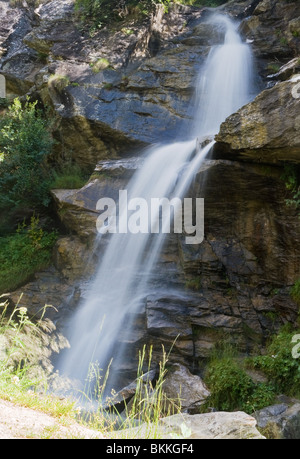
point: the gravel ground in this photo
(17, 422)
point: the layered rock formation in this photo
(234, 286)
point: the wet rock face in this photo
(235, 285)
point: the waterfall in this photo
(120, 285)
(225, 84)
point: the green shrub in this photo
(230, 385)
(26, 347)
(232, 388)
(24, 253)
(279, 365)
(25, 143)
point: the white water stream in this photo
(121, 280)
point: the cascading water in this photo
(225, 85)
(121, 282)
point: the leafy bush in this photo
(279, 365)
(231, 387)
(25, 143)
(24, 253)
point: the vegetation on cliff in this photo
(232, 386)
(24, 253)
(25, 143)
(25, 177)
(103, 12)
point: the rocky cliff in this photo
(117, 91)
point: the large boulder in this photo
(267, 130)
(213, 426)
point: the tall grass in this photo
(137, 416)
(26, 345)
(69, 176)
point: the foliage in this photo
(25, 143)
(24, 253)
(279, 365)
(59, 82)
(193, 283)
(291, 178)
(103, 12)
(271, 431)
(295, 292)
(69, 177)
(100, 64)
(106, 11)
(231, 387)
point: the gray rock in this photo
(286, 417)
(219, 425)
(266, 130)
(125, 394)
(181, 384)
(269, 29)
